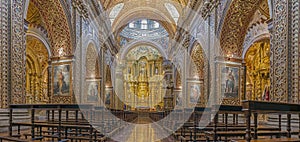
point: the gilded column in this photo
(12, 42)
(279, 52)
(284, 51)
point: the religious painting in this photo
(61, 80)
(230, 82)
(194, 92)
(108, 97)
(93, 91)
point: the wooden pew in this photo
(48, 107)
(259, 107)
(224, 109)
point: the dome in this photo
(144, 29)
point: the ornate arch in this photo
(37, 33)
(37, 57)
(235, 26)
(257, 60)
(57, 25)
(91, 62)
(198, 61)
(135, 43)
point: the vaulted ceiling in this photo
(149, 9)
(236, 23)
(109, 4)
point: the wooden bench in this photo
(226, 110)
(49, 108)
(260, 107)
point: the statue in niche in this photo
(143, 80)
(143, 71)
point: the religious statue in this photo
(143, 81)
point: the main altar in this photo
(143, 79)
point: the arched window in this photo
(156, 25)
(144, 24)
(131, 25)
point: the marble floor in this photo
(144, 132)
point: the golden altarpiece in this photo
(143, 78)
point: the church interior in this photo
(149, 70)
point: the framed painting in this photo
(179, 98)
(108, 97)
(62, 79)
(229, 83)
(93, 91)
(194, 92)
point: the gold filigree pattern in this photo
(36, 71)
(57, 26)
(235, 26)
(17, 50)
(258, 69)
(198, 61)
(91, 60)
(33, 15)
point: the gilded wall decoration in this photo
(235, 26)
(91, 62)
(36, 71)
(33, 15)
(199, 70)
(279, 52)
(258, 70)
(198, 59)
(16, 89)
(264, 8)
(57, 26)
